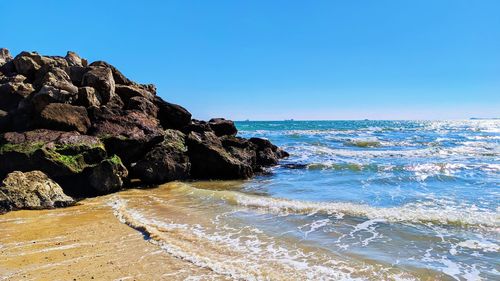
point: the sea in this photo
(356, 200)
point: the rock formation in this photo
(92, 130)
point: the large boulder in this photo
(209, 159)
(108, 176)
(268, 154)
(31, 190)
(12, 91)
(87, 97)
(67, 157)
(129, 134)
(127, 92)
(65, 117)
(101, 79)
(50, 94)
(143, 105)
(167, 161)
(223, 127)
(171, 116)
(117, 75)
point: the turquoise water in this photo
(356, 200)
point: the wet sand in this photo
(84, 242)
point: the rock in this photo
(241, 149)
(143, 105)
(117, 75)
(197, 126)
(223, 127)
(209, 159)
(59, 79)
(108, 176)
(27, 63)
(31, 190)
(4, 56)
(87, 97)
(171, 116)
(167, 161)
(129, 134)
(73, 59)
(50, 94)
(13, 91)
(101, 79)
(127, 92)
(267, 153)
(65, 117)
(76, 73)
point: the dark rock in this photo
(65, 117)
(197, 126)
(209, 159)
(167, 161)
(108, 176)
(171, 116)
(76, 73)
(129, 135)
(268, 154)
(87, 97)
(101, 79)
(26, 63)
(31, 190)
(117, 75)
(13, 92)
(143, 105)
(223, 127)
(241, 149)
(59, 79)
(127, 92)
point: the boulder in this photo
(209, 159)
(4, 56)
(49, 94)
(101, 79)
(87, 97)
(143, 105)
(198, 126)
(73, 59)
(65, 117)
(129, 134)
(117, 75)
(31, 190)
(223, 127)
(13, 91)
(171, 116)
(127, 92)
(108, 176)
(167, 161)
(268, 154)
(27, 63)
(59, 79)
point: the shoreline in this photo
(83, 242)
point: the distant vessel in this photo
(289, 120)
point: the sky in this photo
(278, 59)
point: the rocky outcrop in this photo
(31, 190)
(92, 130)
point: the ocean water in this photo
(356, 200)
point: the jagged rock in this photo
(117, 75)
(87, 97)
(197, 126)
(26, 63)
(4, 56)
(167, 161)
(101, 79)
(242, 149)
(223, 127)
(76, 73)
(143, 105)
(171, 116)
(31, 190)
(65, 117)
(209, 159)
(59, 79)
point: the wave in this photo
(422, 212)
(240, 255)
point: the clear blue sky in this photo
(267, 60)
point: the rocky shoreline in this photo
(69, 127)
